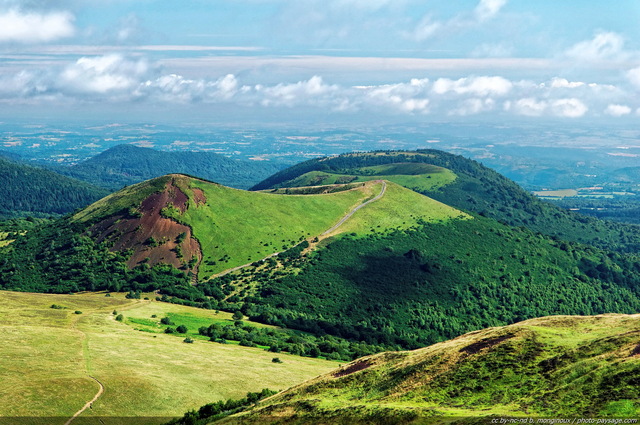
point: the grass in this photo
(47, 353)
(559, 366)
(237, 227)
(399, 208)
(415, 176)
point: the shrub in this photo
(188, 340)
(166, 321)
(276, 360)
(77, 312)
(182, 329)
(56, 307)
(169, 330)
(119, 317)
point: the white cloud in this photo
(478, 86)
(104, 74)
(569, 108)
(312, 91)
(428, 28)
(530, 107)
(634, 76)
(403, 97)
(603, 46)
(487, 9)
(617, 110)
(473, 106)
(564, 83)
(30, 27)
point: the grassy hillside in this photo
(32, 191)
(476, 189)
(562, 366)
(49, 353)
(127, 164)
(239, 227)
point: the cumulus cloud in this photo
(569, 108)
(404, 97)
(17, 26)
(312, 91)
(473, 106)
(119, 78)
(564, 83)
(529, 106)
(603, 46)
(478, 86)
(617, 110)
(634, 77)
(104, 74)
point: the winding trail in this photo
(364, 204)
(89, 403)
(331, 230)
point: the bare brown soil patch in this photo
(153, 238)
(352, 368)
(199, 197)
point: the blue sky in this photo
(282, 60)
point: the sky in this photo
(361, 61)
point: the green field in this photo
(47, 355)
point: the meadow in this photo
(49, 353)
(237, 227)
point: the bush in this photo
(56, 307)
(237, 315)
(188, 340)
(119, 317)
(169, 330)
(166, 321)
(77, 312)
(182, 329)
(276, 360)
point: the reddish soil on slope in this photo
(152, 237)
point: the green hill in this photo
(35, 191)
(124, 165)
(559, 367)
(475, 188)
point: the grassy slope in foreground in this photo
(47, 355)
(555, 366)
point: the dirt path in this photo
(348, 216)
(331, 230)
(89, 403)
